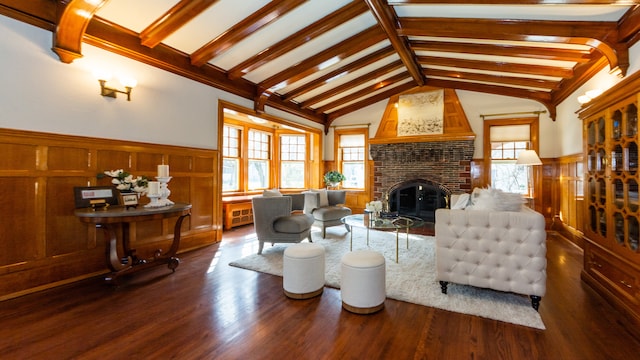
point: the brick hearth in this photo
(444, 162)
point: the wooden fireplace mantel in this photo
(456, 124)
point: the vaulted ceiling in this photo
(321, 59)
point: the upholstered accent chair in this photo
(326, 207)
(274, 222)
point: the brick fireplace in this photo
(447, 163)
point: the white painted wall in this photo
(41, 93)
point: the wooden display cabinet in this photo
(612, 247)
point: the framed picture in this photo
(129, 199)
(96, 196)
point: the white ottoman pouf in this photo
(362, 284)
(303, 270)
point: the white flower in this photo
(374, 206)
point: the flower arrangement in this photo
(374, 206)
(334, 177)
(124, 181)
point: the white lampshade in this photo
(528, 157)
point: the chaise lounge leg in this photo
(535, 301)
(443, 286)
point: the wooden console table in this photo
(109, 218)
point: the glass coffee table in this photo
(397, 223)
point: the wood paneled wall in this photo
(42, 244)
(569, 219)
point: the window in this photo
(259, 147)
(292, 161)
(351, 152)
(261, 152)
(505, 174)
(231, 159)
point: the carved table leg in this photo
(113, 260)
(173, 261)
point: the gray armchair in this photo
(327, 211)
(274, 222)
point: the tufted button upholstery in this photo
(500, 250)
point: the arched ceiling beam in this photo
(499, 79)
(540, 96)
(67, 39)
(374, 75)
(342, 71)
(506, 67)
(172, 20)
(384, 95)
(544, 53)
(387, 19)
(599, 35)
(301, 37)
(256, 21)
(364, 92)
(342, 50)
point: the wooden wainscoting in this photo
(42, 244)
(569, 220)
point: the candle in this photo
(163, 170)
(154, 188)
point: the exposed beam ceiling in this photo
(321, 59)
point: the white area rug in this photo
(411, 280)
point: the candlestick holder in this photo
(164, 190)
(154, 201)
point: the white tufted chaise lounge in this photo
(500, 250)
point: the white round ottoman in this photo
(363, 281)
(303, 270)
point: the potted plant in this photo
(333, 178)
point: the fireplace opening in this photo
(418, 198)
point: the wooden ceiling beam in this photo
(298, 39)
(600, 35)
(364, 92)
(67, 38)
(376, 74)
(629, 26)
(529, 69)
(180, 14)
(388, 20)
(507, 80)
(545, 53)
(582, 73)
(539, 96)
(261, 18)
(313, 64)
(384, 95)
(342, 71)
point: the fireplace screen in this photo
(418, 198)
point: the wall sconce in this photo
(589, 95)
(128, 83)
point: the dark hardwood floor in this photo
(210, 310)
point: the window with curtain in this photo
(259, 154)
(231, 158)
(292, 161)
(506, 143)
(351, 151)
